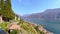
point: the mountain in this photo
(47, 14)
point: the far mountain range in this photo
(47, 14)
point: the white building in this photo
(17, 17)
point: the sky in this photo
(23, 7)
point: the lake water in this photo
(50, 25)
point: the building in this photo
(17, 17)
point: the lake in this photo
(50, 25)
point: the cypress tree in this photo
(6, 10)
(1, 7)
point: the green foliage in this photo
(3, 25)
(25, 27)
(6, 10)
(30, 29)
(15, 32)
(21, 21)
(15, 20)
(40, 32)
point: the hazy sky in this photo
(33, 6)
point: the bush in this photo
(3, 25)
(15, 32)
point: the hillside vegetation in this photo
(25, 28)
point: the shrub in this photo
(15, 32)
(3, 25)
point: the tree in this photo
(6, 10)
